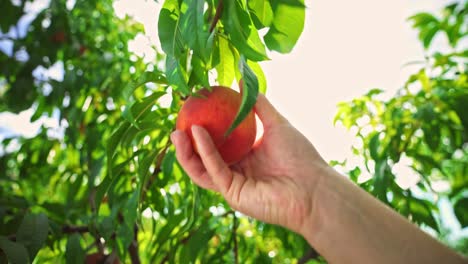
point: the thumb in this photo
(267, 112)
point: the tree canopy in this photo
(423, 126)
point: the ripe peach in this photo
(215, 110)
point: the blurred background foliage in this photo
(105, 185)
(423, 129)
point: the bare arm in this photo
(347, 225)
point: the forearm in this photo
(348, 225)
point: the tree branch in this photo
(227, 213)
(133, 248)
(75, 229)
(219, 10)
(92, 205)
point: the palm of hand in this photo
(270, 183)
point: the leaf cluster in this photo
(423, 127)
(99, 178)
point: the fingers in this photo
(219, 171)
(190, 160)
(267, 112)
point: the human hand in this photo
(274, 183)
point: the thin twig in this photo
(219, 10)
(227, 213)
(111, 258)
(133, 248)
(75, 229)
(165, 259)
(92, 205)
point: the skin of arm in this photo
(284, 181)
(348, 225)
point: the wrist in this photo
(326, 178)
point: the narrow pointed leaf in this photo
(249, 94)
(15, 252)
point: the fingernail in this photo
(196, 128)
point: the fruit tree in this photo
(99, 181)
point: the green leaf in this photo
(423, 19)
(15, 252)
(427, 35)
(73, 188)
(55, 211)
(124, 239)
(432, 136)
(461, 211)
(134, 112)
(373, 92)
(114, 140)
(154, 76)
(167, 168)
(112, 145)
(74, 253)
(167, 165)
(130, 211)
(257, 69)
(193, 28)
(262, 12)
(106, 227)
(422, 213)
(243, 34)
(169, 30)
(33, 232)
(143, 169)
(195, 245)
(11, 13)
(176, 75)
(354, 174)
(249, 94)
(287, 25)
(374, 143)
(209, 46)
(165, 232)
(382, 171)
(199, 74)
(111, 178)
(227, 65)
